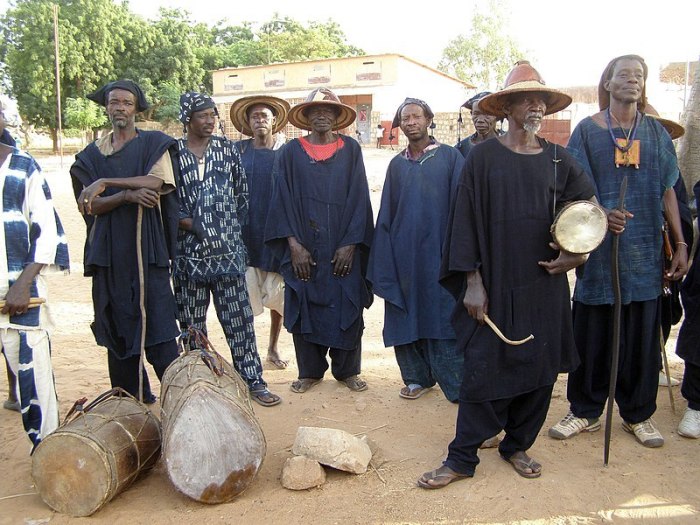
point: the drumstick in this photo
(34, 302)
(503, 337)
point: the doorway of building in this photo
(363, 123)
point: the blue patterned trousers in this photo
(28, 353)
(235, 315)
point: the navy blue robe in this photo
(259, 165)
(404, 264)
(110, 248)
(325, 205)
(500, 225)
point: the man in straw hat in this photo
(33, 243)
(404, 263)
(112, 177)
(618, 142)
(262, 118)
(500, 262)
(484, 124)
(211, 257)
(320, 228)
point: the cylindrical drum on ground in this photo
(96, 455)
(212, 444)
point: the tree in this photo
(84, 115)
(90, 41)
(689, 150)
(485, 55)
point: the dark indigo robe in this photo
(500, 225)
(404, 264)
(688, 344)
(259, 165)
(110, 248)
(325, 205)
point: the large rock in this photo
(301, 473)
(333, 447)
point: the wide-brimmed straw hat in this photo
(239, 112)
(322, 97)
(674, 128)
(523, 78)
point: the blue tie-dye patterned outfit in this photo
(31, 233)
(211, 259)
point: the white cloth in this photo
(266, 290)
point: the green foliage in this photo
(82, 114)
(485, 55)
(101, 40)
(168, 95)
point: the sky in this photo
(569, 42)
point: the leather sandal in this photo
(524, 465)
(440, 477)
(355, 383)
(302, 385)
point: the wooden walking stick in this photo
(617, 310)
(142, 297)
(667, 371)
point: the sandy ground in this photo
(639, 486)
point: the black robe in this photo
(110, 248)
(499, 224)
(325, 205)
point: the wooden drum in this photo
(580, 227)
(96, 454)
(213, 446)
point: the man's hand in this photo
(301, 260)
(475, 299)
(342, 260)
(88, 195)
(679, 263)
(617, 220)
(17, 298)
(143, 196)
(565, 262)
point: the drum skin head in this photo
(213, 447)
(580, 227)
(71, 473)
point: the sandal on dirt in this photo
(491, 442)
(413, 391)
(265, 398)
(524, 465)
(440, 477)
(302, 385)
(12, 405)
(280, 364)
(355, 383)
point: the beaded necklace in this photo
(626, 150)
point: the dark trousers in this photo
(640, 359)
(691, 385)
(312, 363)
(426, 361)
(521, 417)
(124, 373)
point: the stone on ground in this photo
(301, 473)
(333, 447)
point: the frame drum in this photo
(580, 227)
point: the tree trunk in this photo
(54, 139)
(689, 150)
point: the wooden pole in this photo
(59, 125)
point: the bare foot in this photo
(273, 357)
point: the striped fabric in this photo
(31, 232)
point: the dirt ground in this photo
(639, 486)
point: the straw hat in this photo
(239, 112)
(674, 129)
(322, 97)
(523, 78)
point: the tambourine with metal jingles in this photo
(580, 227)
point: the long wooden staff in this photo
(616, 328)
(667, 371)
(142, 298)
